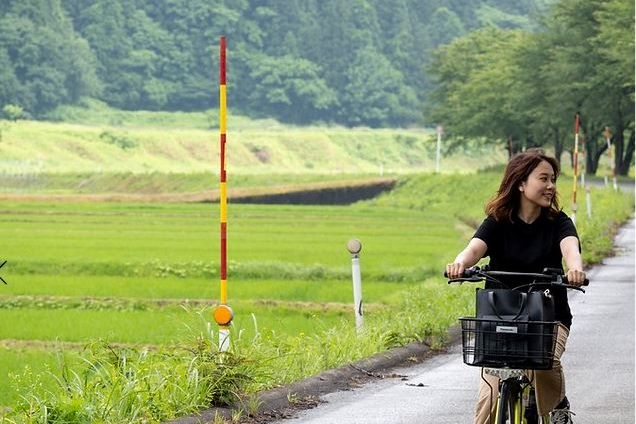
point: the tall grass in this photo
(127, 385)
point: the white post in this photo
(354, 247)
(224, 339)
(583, 177)
(608, 138)
(440, 131)
(583, 166)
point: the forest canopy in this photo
(524, 88)
(355, 62)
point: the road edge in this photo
(303, 394)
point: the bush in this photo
(13, 112)
(122, 141)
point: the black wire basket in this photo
(508, 344)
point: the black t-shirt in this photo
(520, 247)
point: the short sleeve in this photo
(566, 228)
(487, 232)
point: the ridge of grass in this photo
(176, 183)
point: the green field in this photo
(123, 238)
(147, 274)
(116, 297)
(80, 272)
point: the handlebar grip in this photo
(586, 282)
(468, 272)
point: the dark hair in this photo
(505, 204)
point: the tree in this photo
(549, 122)
(478, 92)
(528, 86)
(51, 64)
(146, 54)
(290, 88)
(615, 44)
(10, 86)
(375, 93)
(587, 81)
(445, 26)
(12, 112)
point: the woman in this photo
(525, 231)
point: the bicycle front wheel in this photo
(509, 407)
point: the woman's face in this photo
(540, 187)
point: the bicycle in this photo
(506, 348)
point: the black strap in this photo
(491, 302)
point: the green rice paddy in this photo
(147, 274)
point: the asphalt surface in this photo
(599, 365)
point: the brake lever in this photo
(573, 287)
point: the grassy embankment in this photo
(101, 150)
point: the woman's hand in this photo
(455, 270)
(572, 255)
(576, 277)
(468, 257)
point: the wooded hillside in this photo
(524, 89)
(355, 62)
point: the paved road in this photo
(599, 364)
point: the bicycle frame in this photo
(515, 396)
(512, 385)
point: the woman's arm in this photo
(572, 256)
(468, 257)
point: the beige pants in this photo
(549, 385)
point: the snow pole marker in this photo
(575, 164)
(223, 314)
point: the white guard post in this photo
(440, 131)
(224, 339)
(354, 247)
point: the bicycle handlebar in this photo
(549, 276)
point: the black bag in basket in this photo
(507, 336)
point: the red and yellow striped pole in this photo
(223, 314)
(575, 160)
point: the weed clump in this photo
(123, 384)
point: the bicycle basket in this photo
(508, 344)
